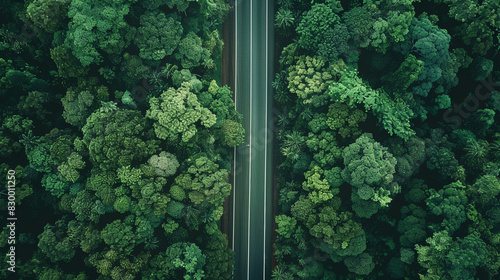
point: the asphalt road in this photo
(251, 219)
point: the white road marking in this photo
(235, 95)
(250, 133)
(265, 145)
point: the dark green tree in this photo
(314, 24)
(158, 36)
(114, 138)
(98, 27)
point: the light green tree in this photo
(177, 112)
(318, 188)
(310, 77)
(165, 164)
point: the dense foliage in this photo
(119, 130)
(115, 121)
(388, 140)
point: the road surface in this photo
(251, 218)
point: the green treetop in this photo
(48, 14)
(338, 229)
(165, 164)
(158, 36)
(431, 45)
(55, 243)
(370, 168)
(335, 42)
(180, 261)
(67, 64)
(479, 22)
(393, 113)
(192, 260)
(114, 138)
(379, 23)
(77, 107)
(318, 188)
(445, 258)
(98, 26)
(310, 77)
(327, 152)
(177, 113)
(233, 133)
(345, 120)
(449, 203)
(314, 24)
(205, 182)
(219, 258)
(191, 52)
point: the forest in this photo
(389, 139)
(117, 137)
(118, 134)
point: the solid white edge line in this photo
(265, 143)
(235, 96)
(250, 155)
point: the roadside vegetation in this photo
(389, 139)
(114, 119)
